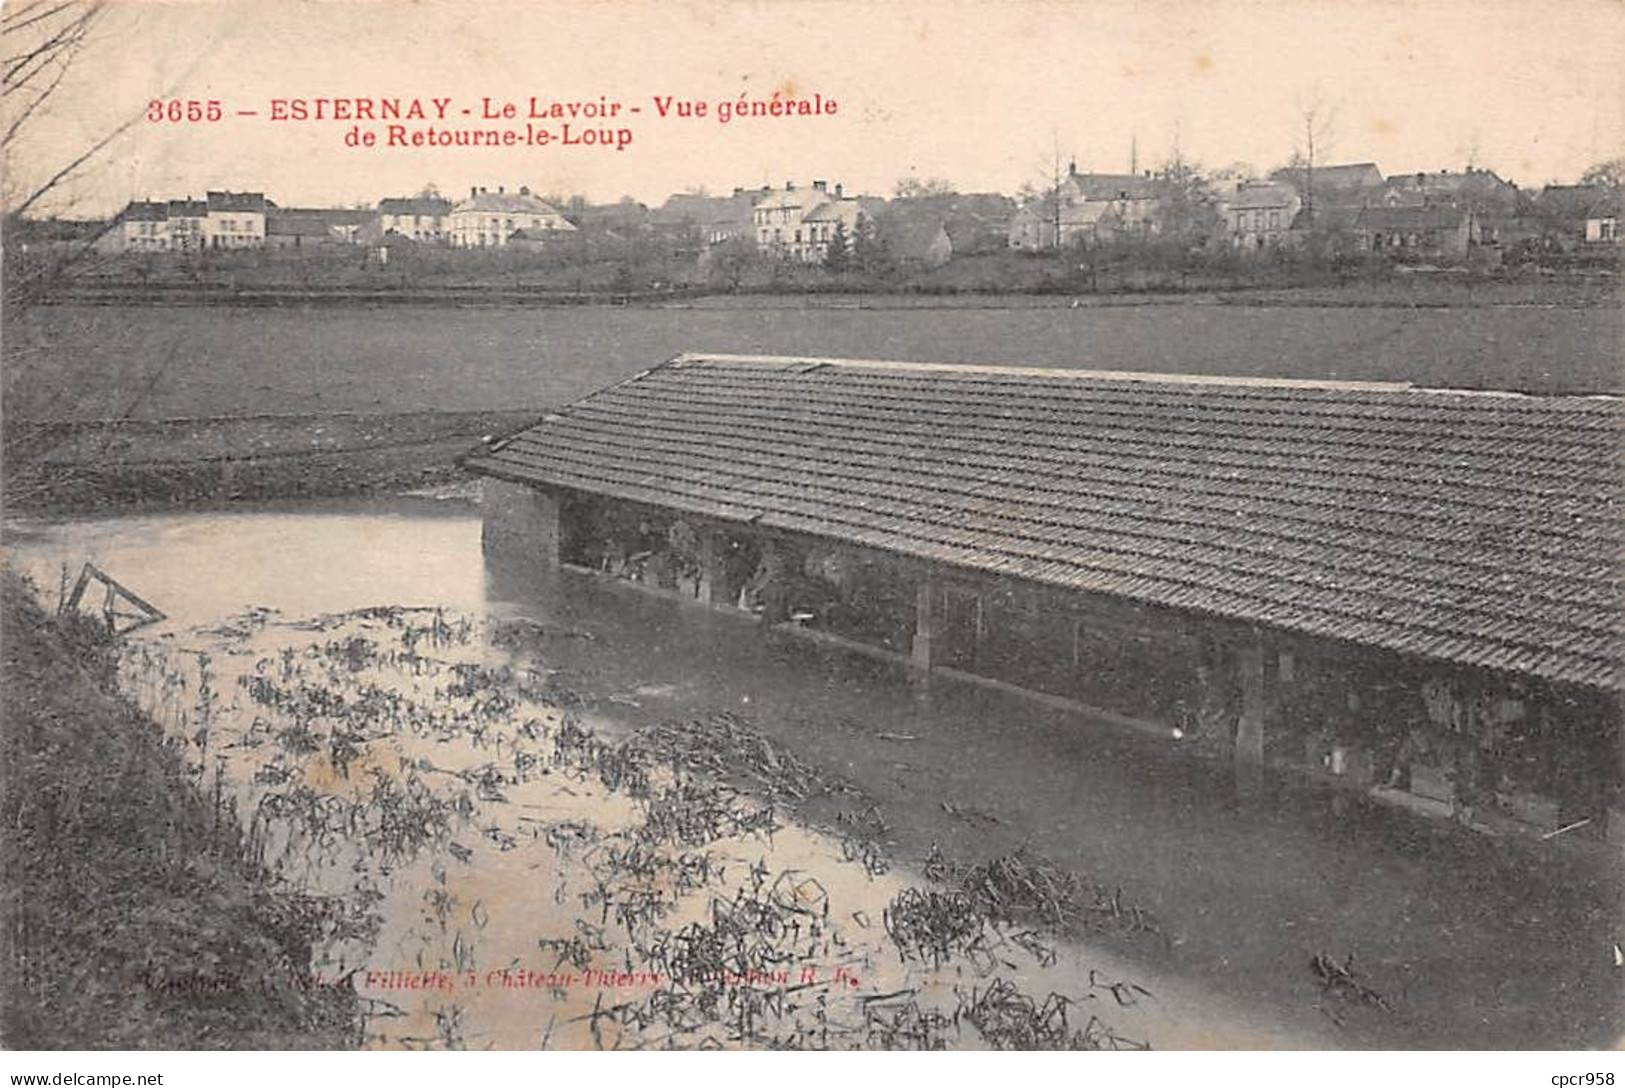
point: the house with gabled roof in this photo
(1474, 189)
(1087, 208)
(1406, 233)
(188, 224)
(1353, 183)
(420, 218)
(1259, 215)
(298, 228)
(488, 219)
(142, 227)
(235, 220)
(838, 217)
(707, 221)
(1581, 214)
(779, 220)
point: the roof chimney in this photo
(500, 189)
(473, 190)
(839, 188)
(818, 186)
(524, 190)
(738, 189)
(789, 186)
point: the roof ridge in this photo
(1083, 374)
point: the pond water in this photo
(1469, 942)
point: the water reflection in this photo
(1474, 945)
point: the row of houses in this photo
(248, 220)
(222, 220)
(1426, 215)
(794, 223)
(1441, 214)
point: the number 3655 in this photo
(177, 110)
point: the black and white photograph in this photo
(762, 525)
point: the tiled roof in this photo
(295, 224)
(1111, 186)
(145, 211)
(1477, 528)
(414, 205)
(846, 210)
(1427, 217)
(1343, 175)
(791, 199)
(1268, 194)
(524, 203)
(237, 202)
(1579, 201)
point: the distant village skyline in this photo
(312, 194)
(565, 201)
(985, 96)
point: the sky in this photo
(986, 95)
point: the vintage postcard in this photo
(813, 525)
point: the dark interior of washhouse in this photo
(1537, 753)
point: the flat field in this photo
(80, 362)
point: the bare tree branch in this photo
(10, 26)
(65, 37)
(28, 111)
(62, 174)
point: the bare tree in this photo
(1055, 195)
(41, 40)
(1047, 196)
(1319, 121)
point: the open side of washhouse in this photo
(1417, 590)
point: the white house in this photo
(235, 220)
(420, 218)
(188, 224)
(1088, 208)
(490, 219)
(840, 215)
(142, 227)
(780, 220)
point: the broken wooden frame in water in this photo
(116, 593)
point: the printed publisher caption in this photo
(405, 123)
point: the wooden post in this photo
(921, 649)
(713, 572)
(775, 592)
(545, 510)
(1250, 725)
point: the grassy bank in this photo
(136, 464)
(131, 919)
(1002, 282)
